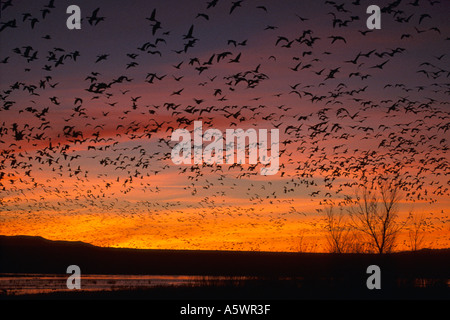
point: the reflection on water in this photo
(19, 284)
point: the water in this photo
(20, 284)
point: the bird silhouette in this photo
(94, 19)
(235, 5)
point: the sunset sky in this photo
(86, 118)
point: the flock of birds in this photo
(346, 115)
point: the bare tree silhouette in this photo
(338, 232)
(416, 233)
(303, 244)
(374, 214)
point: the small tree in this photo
(374, 214)
(303, 244)
(416, 231)
(338, 232)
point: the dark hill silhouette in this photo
(267, 275)
(24, 254)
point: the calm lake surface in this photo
(19, 284)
